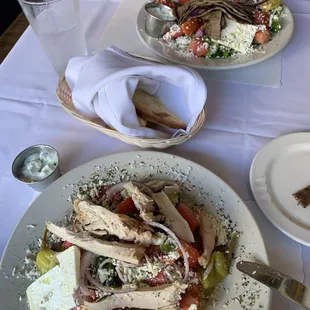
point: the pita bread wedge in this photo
(212, 24)
(151, 109)
(199, 8)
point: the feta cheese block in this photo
(54, 290)
(238, 36)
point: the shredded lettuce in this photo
(168, 246)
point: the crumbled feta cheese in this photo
(140, 273)
(221, 233)
(238, 36)
(159, 238)
(183, 42)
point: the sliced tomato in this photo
(197, 47)
(183, 1)
(192, 254)
(67, 244)
(167, 2)
(158, 280)
(261, 18)
(189, 215)
(126, 207)
(190, 297)
(191, 26)
(262, 37)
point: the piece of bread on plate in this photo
(152, 109)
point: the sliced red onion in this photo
(115, 189)
(120, 186)
(107, 289)
(86, 260)
(175, 238)
(78, 297)
(208, 269)
(106, 261)
(199, 33)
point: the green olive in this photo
(270, 5)
(46, 260)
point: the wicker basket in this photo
(64, 96)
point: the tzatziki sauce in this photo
(162, 12)
(38, 166)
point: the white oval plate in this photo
(206, 188)
(280, 169)
(161, 49)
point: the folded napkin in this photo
(103, 85)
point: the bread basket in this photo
(63, 93)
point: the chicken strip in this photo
(143, 203)
(158, 185)
(165, 296)
(207, 230)
(97, 219)
(131, 253)
(173, 218)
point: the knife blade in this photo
(278, 281)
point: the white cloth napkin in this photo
(103, 85)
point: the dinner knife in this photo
(279, 282)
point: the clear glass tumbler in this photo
(58, 27)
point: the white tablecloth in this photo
(241, 119)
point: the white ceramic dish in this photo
(206, 188)
(280, 169)
(161, 49)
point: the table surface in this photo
(241, 119)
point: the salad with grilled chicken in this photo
(132, 245)
(222, 28)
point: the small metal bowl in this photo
(18, 162)
(156, 26)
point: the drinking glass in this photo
(58, 27)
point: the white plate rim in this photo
(274, 215)
(90, 163)
(222, 67)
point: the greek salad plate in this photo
(107, 235)
(236, 44)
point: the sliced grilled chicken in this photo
(207, 231)
(165, 296)
(98, 219)
(171, 189)
(143, 203)
(158, 185)
(173, 219)
(131, 253)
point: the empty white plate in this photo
(280, 169)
